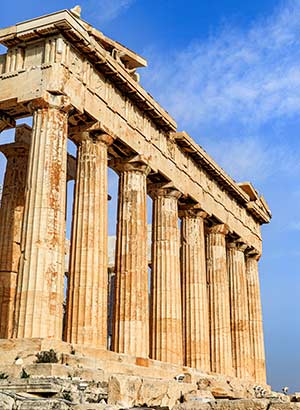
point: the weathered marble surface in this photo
(204, 309)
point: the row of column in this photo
(204, 306)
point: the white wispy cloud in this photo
(255, 158)
(105, 10)
(251, 75)
(246, 77)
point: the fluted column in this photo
(131, 310)
(88, 275)
(165, 313)
(11, 218)
(255, 320)
(220, 334)
(239, 310)
(194, 290)
(40, 290)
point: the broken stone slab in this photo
(284, 406)
(45, 404)
(39, 386)
(192, 406)
(278, 397)
(93, 406)
(122, 391)
(225, 404)
(244, 404)
(201, 396)
(6, 402)
(130, 391)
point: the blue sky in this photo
(229, 73)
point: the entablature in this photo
(52, 63)
(97, 49)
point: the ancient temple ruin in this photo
(204, 311)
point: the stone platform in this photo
(40, 373)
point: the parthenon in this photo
(196, 303)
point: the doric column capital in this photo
(238, 245)
(163, 190)
(253, 254)
(102, 137)
(192, 211)
(95, 137)
(60, 102)
(219, 228)
(137, 163)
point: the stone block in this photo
(140, 361)
(162, 393)
(48, 369)
(10, 370)
(123, 390)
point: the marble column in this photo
(240, 335)
(255, 320)
(166, 312)
(40, 291)
(131, 309)
(88, 275)
(11, 218)
(195, 319)
(218, 283)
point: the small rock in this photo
(295, 397)
(201, 396)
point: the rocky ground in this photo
(13, 401)
(32, 378)
(122, 392)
